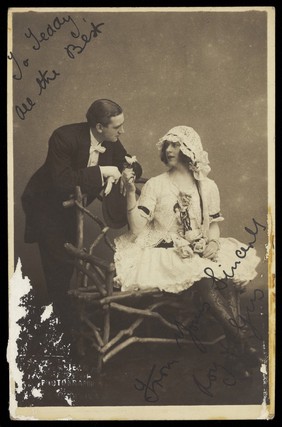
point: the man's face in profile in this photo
(114, 129)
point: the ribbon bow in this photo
(98, 148)
(130, 160)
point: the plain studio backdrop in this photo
(207, 70)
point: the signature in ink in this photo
(150, 394)
(240, 253)
(246, 320)
(215, 371)
(192, 328)
(73, 50)
(217, 283)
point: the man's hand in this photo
(110, 171)
(109, 185)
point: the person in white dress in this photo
(174, 240)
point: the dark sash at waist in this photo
(164, 244)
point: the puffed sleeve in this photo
(148, 199)
(214, 203)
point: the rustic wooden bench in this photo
(98, 302)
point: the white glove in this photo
(110, 171)
(109, 185)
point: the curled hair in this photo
(185, 160)
(101, 111)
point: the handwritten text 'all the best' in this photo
(79, 41)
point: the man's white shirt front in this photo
(94, 151)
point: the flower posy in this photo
(130, 160)
(199, 246)
(182, 248)
(184, 200)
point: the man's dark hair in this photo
(185, 160)
(101, 111)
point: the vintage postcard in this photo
(141, 213)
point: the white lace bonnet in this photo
(191, 146)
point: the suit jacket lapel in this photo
(105, 159)
(84, 143)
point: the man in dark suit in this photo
(87, 154)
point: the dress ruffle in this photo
(148, 267)
(140, 264)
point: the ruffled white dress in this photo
(141, 264)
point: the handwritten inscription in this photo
(241, 253)
(246, 320)
(218, 372)
(24, 108)
(51, 29)
(215, 372)
(44, 79)
(149, 387)
(19, 74)
(44, 76)
(73, 50)
(192, 328)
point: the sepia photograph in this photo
(141, 213)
